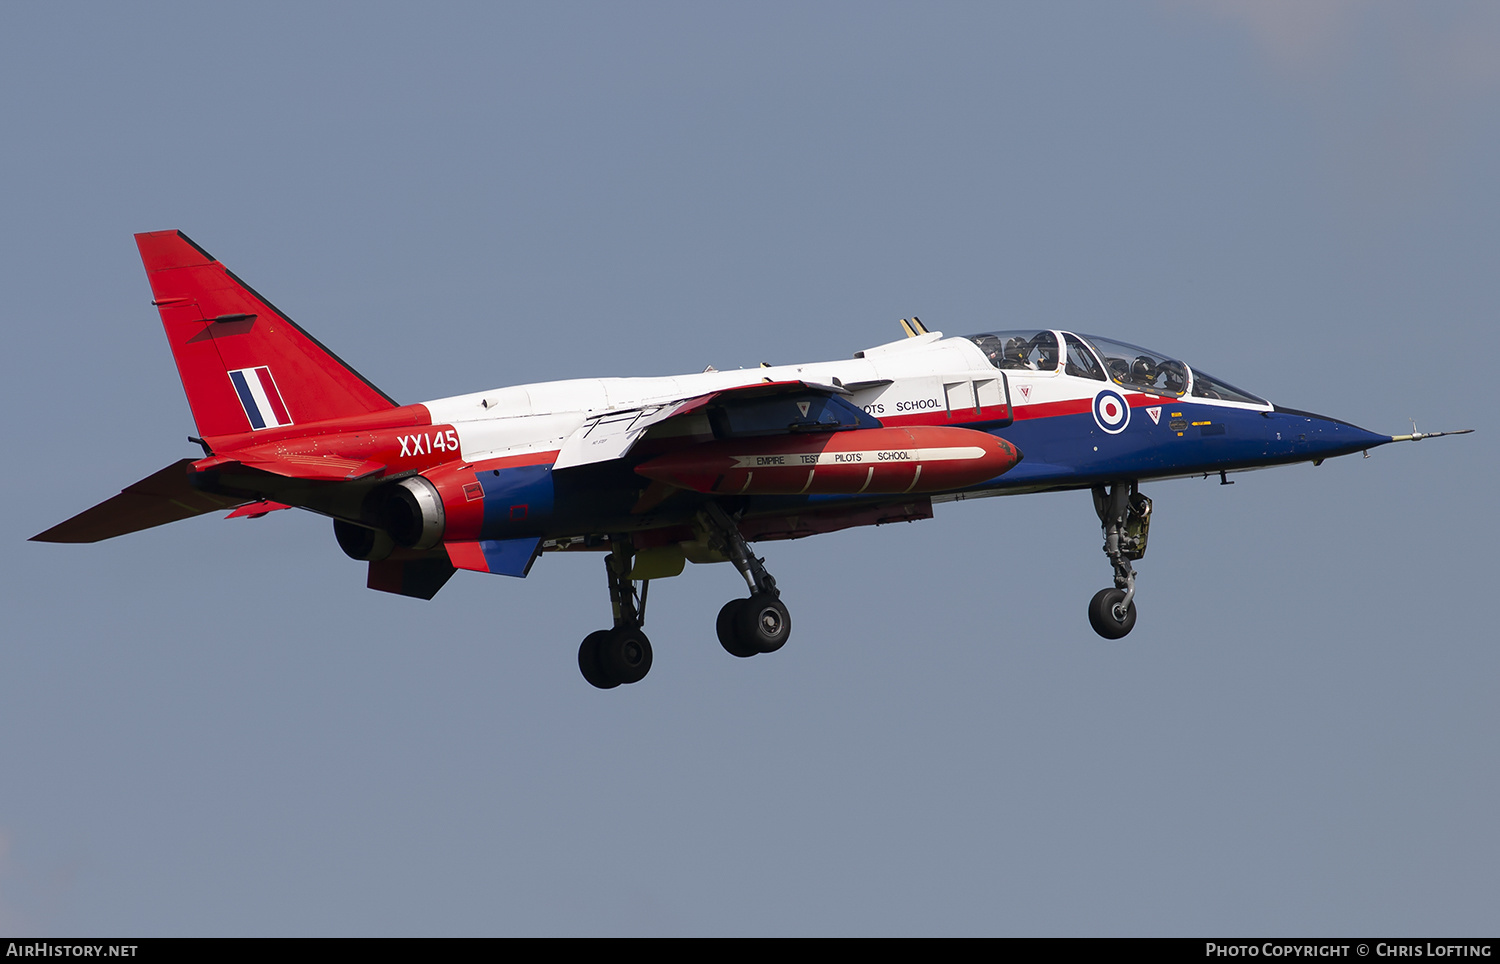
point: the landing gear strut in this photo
(611, 657)
(760, 624)
(1126, 517)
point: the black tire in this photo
(727, 627)
(625, 655)
(588, 661)
(763, 623)
(1102, 614)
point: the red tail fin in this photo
(244, 365)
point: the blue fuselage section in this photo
(1184, 438)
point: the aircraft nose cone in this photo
(1317, 436)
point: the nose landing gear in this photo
(612, 657)
(1125, 515)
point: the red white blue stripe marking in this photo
(258, 394)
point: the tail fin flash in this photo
(245, 366)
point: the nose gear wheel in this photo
(1109, 615)
(1125, 515)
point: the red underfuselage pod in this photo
(876, 461)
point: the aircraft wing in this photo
(611, 435)
(159, 498)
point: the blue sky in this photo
(214, 728)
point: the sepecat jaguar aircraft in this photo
(656, 472)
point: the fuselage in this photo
(1074, 425)
(660, 471)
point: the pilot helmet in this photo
(1046, 348)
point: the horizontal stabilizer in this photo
(317, 468)
(159, 498)
(255, 510)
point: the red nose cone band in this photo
(876, 461)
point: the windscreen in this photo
(1206, 386)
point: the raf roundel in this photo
(1111, 411)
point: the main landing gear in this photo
(1126, 517)
(611, 657)
(761, 623)
(746, 627)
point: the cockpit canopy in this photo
(1019, 350)
(1141, 368)
(1089, 356)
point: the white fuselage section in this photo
(910, 376)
